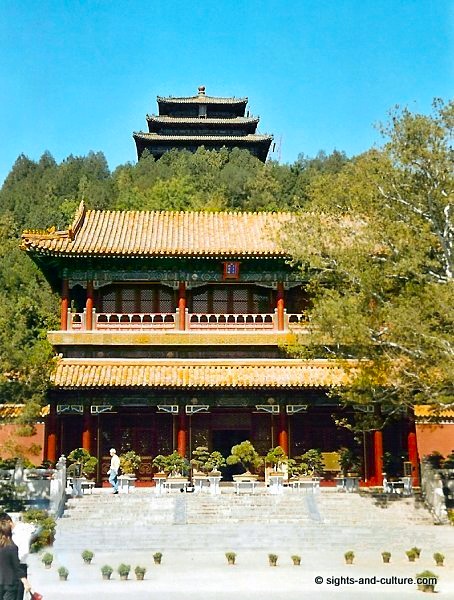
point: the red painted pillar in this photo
(413, 457)
(378, 457)
(89, 306)
(64, 305)
(86, 432)
(182, 306)
(51, 436)
(280, 306)
(282, 439)
(182, 435)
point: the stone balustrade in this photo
(193, 321)
(231, 321)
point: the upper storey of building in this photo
(191, 122)
(185, 271)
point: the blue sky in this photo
(80, 75)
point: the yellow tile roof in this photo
(141, 233)
(433, 411)
(214, 373)
(11, 411)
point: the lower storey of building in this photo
(153, 430)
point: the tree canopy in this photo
(376, 244)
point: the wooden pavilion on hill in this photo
(172, 335)
(191, 122)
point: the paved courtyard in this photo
(200, 570)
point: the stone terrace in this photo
(194, 531)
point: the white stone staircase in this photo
(141, 520)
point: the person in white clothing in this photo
(113, 470)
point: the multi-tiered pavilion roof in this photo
(188, 123)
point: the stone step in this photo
(145, 521)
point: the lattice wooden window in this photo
(200, 301)
(147, 304)
(129, 300)
(166, 300)
(219, 301)
(108, 301)
(230, 299)
(239, 300)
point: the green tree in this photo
(377, 246)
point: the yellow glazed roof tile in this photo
(433, 411)
(11, 411)
(215, 373)
(142, 233)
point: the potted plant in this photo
(176, 466)
(200, 455)
(157, 556)
(215, 462)
(348, 462)
(123, 571)
(87, 556)
(245, 455)
(84, 463)
(448, 462)
(106, 571)
(311, 463)
(230, 556)
(130, 462)
(47, 559)
(63, 573)
(160, 463)
(434, 459)
(386, 556)
(411, 554)
(277, 458)
(417, 551)
(45, 525)
(296, 560)
(428, 581)
(82, 467)
(140, 573)
(349, 556)
(439, 559)
(294, 468)
(272, 559)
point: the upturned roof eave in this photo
(204, 120)
(39, 251)
(248, 138)
(201, 99)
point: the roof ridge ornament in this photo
(201, 90)
(78, 220)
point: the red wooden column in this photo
(89, 306)
(280, 306)
(182, 434)
(64, 305)
(282, 439)
(51, 436)
(87, 430)
(378, 457)
(182, 306)
(413, 457)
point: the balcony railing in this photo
(194, 322)
(229, 321)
